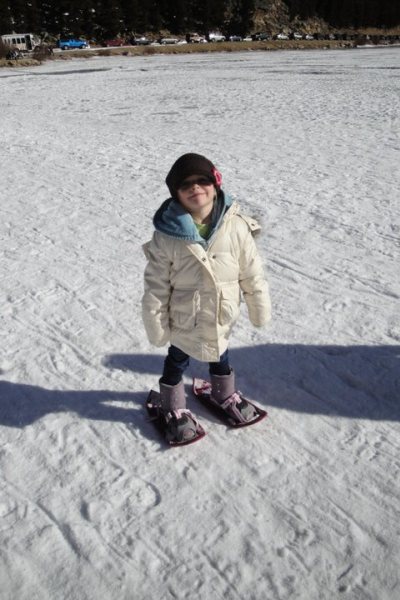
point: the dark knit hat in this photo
(191, 164)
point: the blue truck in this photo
(72, 44)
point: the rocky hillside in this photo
(273, 16)
(270, 15)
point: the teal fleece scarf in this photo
(173, 220)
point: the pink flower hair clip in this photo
(217, 176)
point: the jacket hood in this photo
(173, 220)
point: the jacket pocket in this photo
(229, 304)
(184, 305)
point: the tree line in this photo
(349, 13)
(105, 18)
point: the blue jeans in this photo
(177, 362)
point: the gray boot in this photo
(172, 397)
(181, 426)
(223, 392)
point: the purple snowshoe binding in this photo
(230, 405)
(168, 410)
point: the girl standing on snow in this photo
(201, 258)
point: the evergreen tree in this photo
(132, 15)
(295, 8)
(47, 17)
(208, 15)
(174, 14)
(6, 25)
(108, 22)
(84, 18)
(389, 13)
(18, 16)
(308, 9)
(240, 16)
(215, 12)
(149, 17)
(106, 18)
(197, 15)
(32, 17)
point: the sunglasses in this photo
(201, 181)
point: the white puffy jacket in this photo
(193, 292)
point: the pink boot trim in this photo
(230, 405)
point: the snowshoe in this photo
(236, 410)
(179, 426)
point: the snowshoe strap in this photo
(178, 414)
(230, 405)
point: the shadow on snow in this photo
(354, 382)
(347, 381)
(22, 404)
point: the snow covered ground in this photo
(305, 505)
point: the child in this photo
(201, 258)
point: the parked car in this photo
(282, 36)
(262, 37)
(195, 38)
(114, 43)
(308, 36)
(168, 40)
(235, 38)
(140, 41)
(296, 35)
(216, 37)
(72, 44)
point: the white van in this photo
(25, 42)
